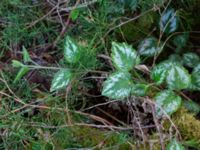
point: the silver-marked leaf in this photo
(21, 73)
(148, 47)
(169, 21)
(174, 145)
(118, 85)
(178, 77)
(195, 77)
(61, 79)
(190, 59)
(72, 50)
(159, 72)
(167, 102)
(139, 89)
(124, 57)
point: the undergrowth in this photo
(118, 74)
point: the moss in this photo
(187, 125)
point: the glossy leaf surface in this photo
(195, 77)
(178, 78)
(190, 59)
(118, 85)
(148, 47)
(167, 102)
(139, 89)
(160, 71)
(169, 21)
(72, 50)
(175, 75)
(61, 79)
(124, 57)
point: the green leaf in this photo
(61, 79)
(175, 58)
(178, 78)
(118, 85)
(195, 78)
(124, 57)
(148, 47)
(192, 106)
(167, 102)
(72, 50)
(175, 75)
(180, 41)
(169, 21)
(174, 145)
(159, 72)
(139, 89)
(21, 73)
(26, 56)
(74, 14)
(190, 59)
(16, 63)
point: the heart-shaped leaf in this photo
(149, 47)
(118, 85)
(178, 78)
(169, 21)
(174, 145)
(124, 57)
(190, 59)
(139, 89)
(167, 102)
(72, 50)
(175, 75)
(61, 79)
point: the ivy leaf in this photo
(139, 89)
(118, 85)
(26, 56)
(195, 78)
(174, 145)
(148, 47)
(21, 73)
(124, 57)
(159, 72)
(178, 78)
(168, 102)
(190, 59)
(61, 79)
(169, 21)
(72, 50)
